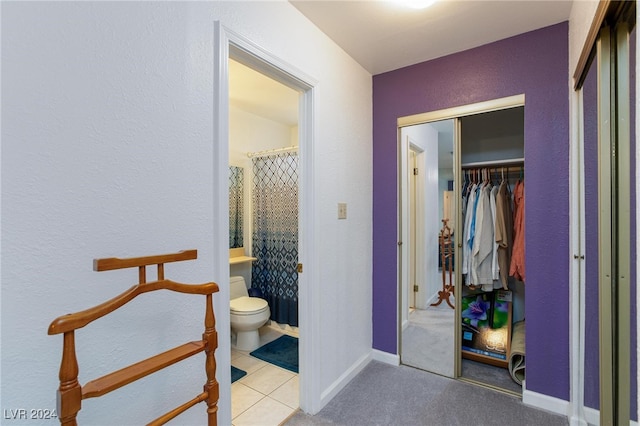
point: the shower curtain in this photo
(236, 195)
(275, 234)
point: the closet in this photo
(480, 340)
(490, 248)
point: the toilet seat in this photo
(248, 305)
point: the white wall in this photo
(582, 13)
(107, 151)
(250, 133)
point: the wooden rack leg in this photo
(69, 392)
(211, 387)
(446, 253)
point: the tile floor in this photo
(267, 395)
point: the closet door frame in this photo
(607, 48)
(455, 114)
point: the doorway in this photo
(493, 133)
(263, 161)
(230, 45)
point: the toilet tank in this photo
(237, 288)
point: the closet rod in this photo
(496, 163)
(271, 151)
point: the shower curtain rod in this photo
(271, 151)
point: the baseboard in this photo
(592, 416)
(405, 324)
(545, 402)
(432, 299)
(386, 357)
(344, 379)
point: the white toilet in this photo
(248, 314)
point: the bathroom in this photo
(263, 137)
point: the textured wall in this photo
(535, 64)
(107, 150)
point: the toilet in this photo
(248, 314)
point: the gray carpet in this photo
(489, 374)
(387, 395)
(427, 342)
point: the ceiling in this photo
(258, 94)
(382, 36)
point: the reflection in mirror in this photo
(236, 197)
(590, 159)
(428, 320)
(634, 266)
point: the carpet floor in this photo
(427, 342)
(383, 394)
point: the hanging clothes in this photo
(483, 241)
(517, 267)
(504, 232)
(466, 246)
(495, 268)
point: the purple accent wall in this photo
(536, 64)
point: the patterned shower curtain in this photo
(236, 195)
(275, 234)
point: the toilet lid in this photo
(246, 304)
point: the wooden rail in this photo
(71, 394)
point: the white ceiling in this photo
(382, 36)
(258, 94)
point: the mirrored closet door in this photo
(427, 210)
(605, 79)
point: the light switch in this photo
(342, 210)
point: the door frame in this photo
(229, 44)
(410, 210)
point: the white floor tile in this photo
(267, 379)
(248, 363)
(267, 412)
(288, 393)
(243, 398)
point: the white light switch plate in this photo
(342, 210)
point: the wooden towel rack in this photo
(447, 251)
(70, 393)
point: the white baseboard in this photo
(592, 416)
(545, 402)
(344, 379)
(386, 357)
(432, 299)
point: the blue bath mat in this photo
(282, 352)
(237, 374)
